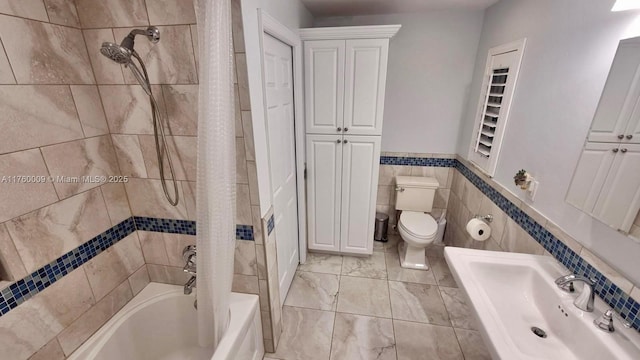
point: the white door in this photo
(619, 200)
(324, 171)
(365, 80)
(324, 86)
(278, 84)
(360, 165)
(590, 174)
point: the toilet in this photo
(418, 229)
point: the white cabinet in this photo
(324, 191)
(342, 181)
(345, 86)
(345, 78)
(619, 201)
(617, 118)
(606, 183)
(324, 86)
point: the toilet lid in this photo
(418, 224)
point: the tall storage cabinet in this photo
(345, 79)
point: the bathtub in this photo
(160, 324)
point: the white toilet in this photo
(418, 229)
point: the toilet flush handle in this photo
(401, 189)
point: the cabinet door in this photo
(365, 81)
(360, 165)
(619, 98)
(619, 200)
(324, 86)
(590, 175)
(324, 171)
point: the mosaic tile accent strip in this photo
(173, 226)
(627, 307)
(417, 161)
(244, 232)
(25, 288)
(271, 224)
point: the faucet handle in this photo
(605, 321)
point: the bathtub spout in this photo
(188, 287)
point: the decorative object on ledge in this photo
(526, 182)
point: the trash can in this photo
(382, 225)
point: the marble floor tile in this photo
(472, 345)
(418, 302)
(322, 263)
(364, 296)
(306, 334)
(372, 266)
(314, 291)
(425, 341)
(435, 251)
(459, 312)
(398, 273)
(389, 246)
(442, 272)
(362, 337)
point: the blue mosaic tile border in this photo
(244, 232)
(172, 226)
(627, 307)
(24, 289)
(271, 224)
(417, 161)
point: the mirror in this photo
(606, 182)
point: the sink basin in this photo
(523, 315)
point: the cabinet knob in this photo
(338, 141)
(621, 150)
(346, 129)
(339, 129)
(628, 136)
(345, 141)
(614, 150)
(620, 136)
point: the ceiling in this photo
(321, 8)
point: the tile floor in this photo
(342, 307)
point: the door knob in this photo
(628, 136)
(346, 141)
(346, 129)
(614, 150)
(339, 129)
(621, 150)
(620, 136)
(338, 141)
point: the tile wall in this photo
(72, 112)
(54, 124)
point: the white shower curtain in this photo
(215, 195)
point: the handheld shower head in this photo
(122, 53)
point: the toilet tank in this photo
(415, 193)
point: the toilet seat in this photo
(418, 225)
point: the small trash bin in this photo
(382, 225)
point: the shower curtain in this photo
(216, 183)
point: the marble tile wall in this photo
(53, 127)
(386, 199)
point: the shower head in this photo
(122, 53)
(115, 52)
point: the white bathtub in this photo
(160, 324)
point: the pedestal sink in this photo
(523, 315)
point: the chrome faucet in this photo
(188, 287)
(605, 321)
(585, 300)
(189, 256)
